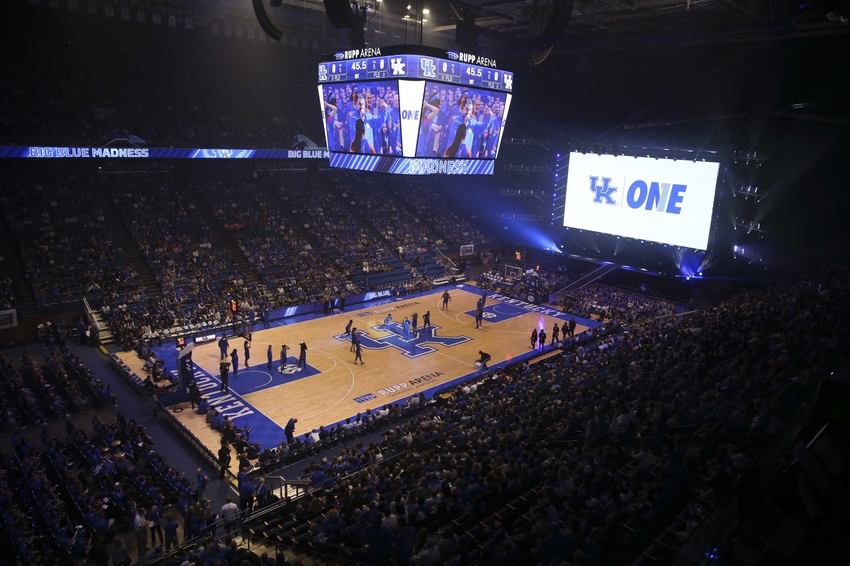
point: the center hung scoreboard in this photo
(413, 110)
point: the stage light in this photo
(426, 11)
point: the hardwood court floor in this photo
(335, 388)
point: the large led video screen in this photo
(660, 200)
(413, 110)
(362, 118)
(460, 122)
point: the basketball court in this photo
(331, 387)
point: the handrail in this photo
(447, 257)
(283, 485)
(673, 314)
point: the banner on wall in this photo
(8, 319)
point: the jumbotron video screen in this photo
(413, 110)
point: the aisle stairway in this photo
(124, 240)
(225, 239)
(589, 278)
(13, 268)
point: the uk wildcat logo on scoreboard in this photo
(428, 67)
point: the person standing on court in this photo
(302, 357)
(223, 345)
(479, 313)
(283, 350)
(247, 349)
(354, 340)
(446, 300)
(572, 327)
(542, 338)
(534, 338)
(414, 322)
(224, 367)
(358, 353)
(348, 328)
(234, 362)
(270, 356)
(405, 326)
(426, 320)
(555, 332)
(223, 458)
(484, 297)
(388, 320)
(289, 430)
(194, 393)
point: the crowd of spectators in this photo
(324, 203)
(192, 268)
(429, 205)
(560, 460)
(401, 229)
(518, 286)
(53, 385)
(610, 302)
(63, 238)
(7, 292)
(276, 245)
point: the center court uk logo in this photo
(418, 345)
(602, 193)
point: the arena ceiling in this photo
(521, 27)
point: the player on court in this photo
(283, 350)
(358, 353)
(302, 358)
(446, 300)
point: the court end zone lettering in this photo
(205, 383)
(400, 388)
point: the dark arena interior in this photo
(461, 282)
